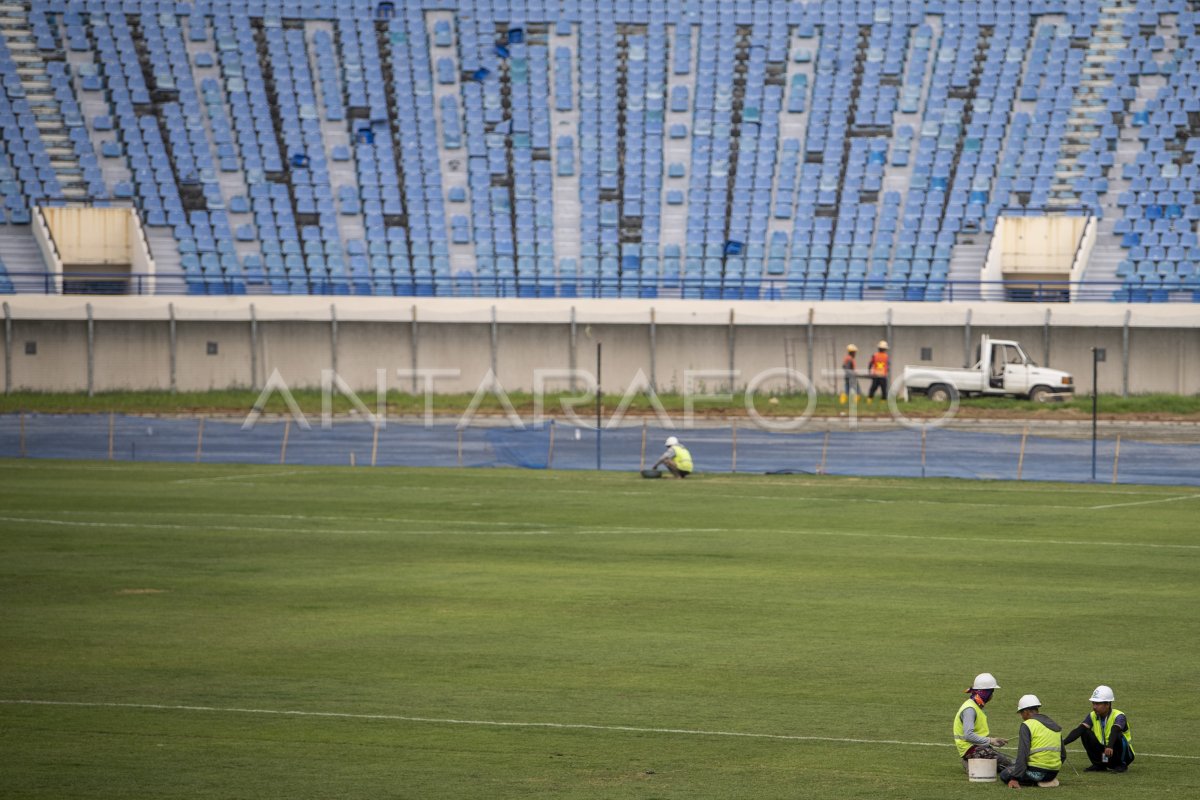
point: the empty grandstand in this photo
(740, 149)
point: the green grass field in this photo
(244, 632)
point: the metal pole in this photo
(172, 344)
(891, 344)
(460, 447)
(1046, 340)
(824, 450)
(598, 403)
(200, 440)
(550, 449)
(22, 436)
(653, 349)
(111, 426)
(642, 463)
(1095, 406)
(1021, 457)
(287, 428)
(1116, 458)
(924, 431)
(1125, 355)
(253, 348)
(966, 341)
(374, 445)
(412, 346)
(733, 464)
(8, 326)
(333, 337)
(91, 352)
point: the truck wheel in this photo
(1039, 394)
(941, 393)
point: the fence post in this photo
(111, 426)
(460, 447)
(733, 465)
(642, 463)
(824, 450)
(924, 431)
(287, 427)
(1021, 457)
(1116, 458)
(200, 440)
(550, 449)
(22, 437)
(374, 444)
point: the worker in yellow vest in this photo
(677, 459)
(1105, 734)
(1040, 750)
(971, 734)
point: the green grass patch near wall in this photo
(240, 402)
(219, 631)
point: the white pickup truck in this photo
(1002, 369)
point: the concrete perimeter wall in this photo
(70, 343)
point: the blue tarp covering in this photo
(895, 453)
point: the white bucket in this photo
(981, 770)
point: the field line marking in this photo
(503, 724)
(1145, 502)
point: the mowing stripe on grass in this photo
(589, 531)
(502, 724)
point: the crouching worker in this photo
(971, 725)
(1040, 748)
(1105, 734)
(677, 459)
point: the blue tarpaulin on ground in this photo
(896, 453)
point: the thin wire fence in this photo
(891, 453)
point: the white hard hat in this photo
(882, 344)
(1103, 694)
(984, 680)
(672, 441)
(1028, 701)
(852, 348)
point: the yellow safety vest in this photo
(1101, 727)
(683, 459)
(981, 726)
(1045, 746)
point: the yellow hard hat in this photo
(882, 344)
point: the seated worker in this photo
(1040, 748)
(677, 459)
(1105, 734)
(971, 725)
